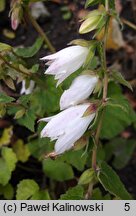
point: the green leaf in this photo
(7, 165)
(91, 2)
(122, 149)
(28, 120)
(38, 147)
(5, 173)
(2, 110)
(66, 13)
(115, 120)
(9, 34)
(6, 136)
(87, 177)
(35, 68)
(67, 16)
(9, 82)
(41, 195)
(119, 78)
(46, 101)
(19, 113)
(5, 99)
(97, 195)
(30, 51)
(57, 170)
(2, 5)
(75, 158)
(10, 158)
(21, 150)
(112, 4)
(94, 2)
(8, 192)
(75, 193)
(114, 104)
(25, 99)
(26, 189)
(91, 54)
(112, 183)
(3, 46)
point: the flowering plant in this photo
(74, 112)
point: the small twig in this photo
(128, 23)
(89, 191)
(41, 32)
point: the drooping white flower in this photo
(67, 126)
(73, 133)
(66, 61)
(58, 122)
(80, 90)
(28, 90)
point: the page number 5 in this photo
(127, 206)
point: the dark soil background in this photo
(61, 32)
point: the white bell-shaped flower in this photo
(67, 126)
(81, 89)
(73, 133)
(66, 61)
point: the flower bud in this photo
(91, 22)
(16, 9)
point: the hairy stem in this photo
(105, 89)
(41, 32)
(107, 5)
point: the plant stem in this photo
(128, 23)
(97, 135)
(107, 5)
(105, 89)
(41, 32)
(89, 192)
